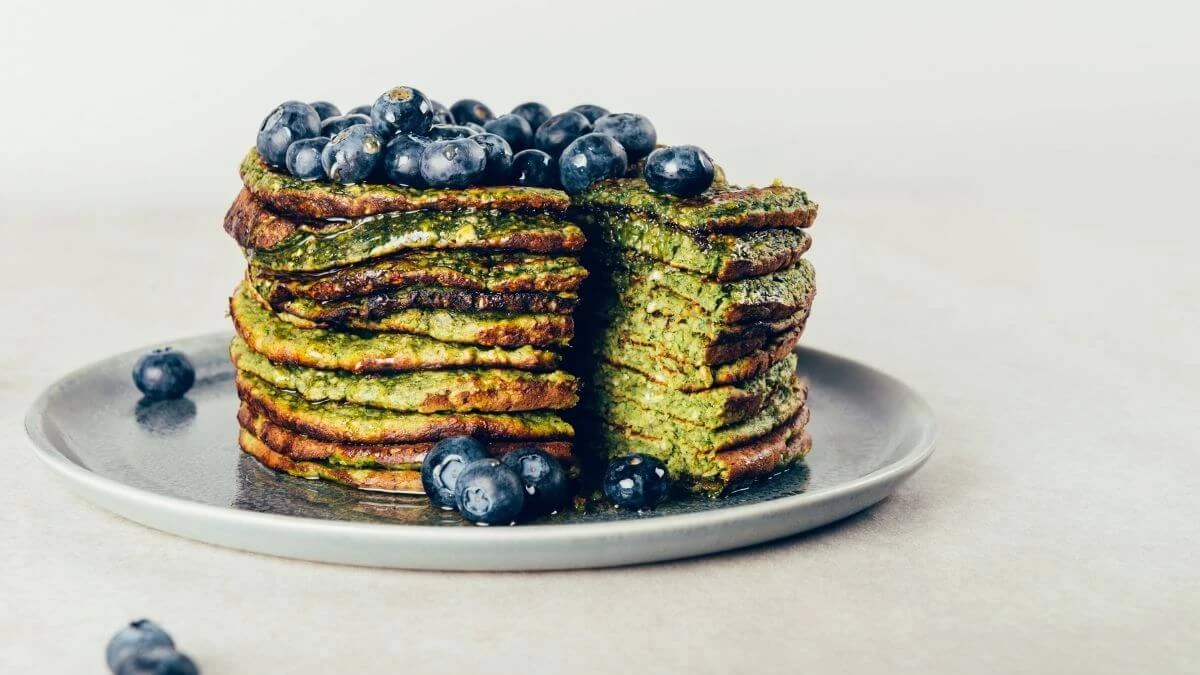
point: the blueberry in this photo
(636, 482)
(335, 125)
(591, 112)
(590, 158)
(352, 155)
(288, 123)
(474, 127)
(470, 110)
(402, 160)
(556, 133)
(449, 132)
(535, 113)
(534, 168)
(489, 493)
(325, 109)
(164, 373)
(157, 661)
(441, 114)
(360, 110)
(512, 128)
(456, 164)
(401, 110)
(138, 636)
(499, 158)
(682, 170)
(444, 463)
(543, 478)
(304, 158)
(634, 132)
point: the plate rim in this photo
(78, 476)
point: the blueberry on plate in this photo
(535, 113)
(534, 168)
(288, 123)
(634, 132)
(444, 463)
(556, 133)
(360, 110)
(681, 170)
(401, 110)
(543, 478)
(590, 158)
(325, 109)
(352, 155)
(489, 493)
(591, 112)
(157, 661)
(454, 164)
(474, 127)
(448, 132)
(441, 114)
(164, 373)
(304, 158)
(333, 126)
(138, 636)
(499, 158)
(636, 482)
(470, 110)
(512, 128)
(402, 160)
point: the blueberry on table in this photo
(489, 493)
(333, 126)
(352, 155)
(590, 158)
(444, 463)
(543, 478)
(590, 111)
(535, 113)
(634, 132)
(138, 636)
(401, 110)
(164, 373)
(288, 123)
(441, 114)
(534, 168)
(470, 110)
(499, 158)
(360, 110)
(636, 482)
(325, 109)
(449, 132)
(556, 133)
(512, 128)
(681, 170)
(157, 661)
(402, 160)
(453, 164)
(304, 158)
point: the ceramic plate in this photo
(175, 466)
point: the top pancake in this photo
(311, 199)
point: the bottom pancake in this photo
(384, 480)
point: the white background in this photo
(1008, 223)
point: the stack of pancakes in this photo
(695, 309)
(375, 320)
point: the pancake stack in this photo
(693, 311)
(375, 320)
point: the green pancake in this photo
(288, 344)
(464, 390)
(650, 362)
(345, 422)
(721, 207)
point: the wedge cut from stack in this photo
(693, 311)
(375, 320)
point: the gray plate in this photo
(175, 466)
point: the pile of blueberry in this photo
(408, 139)
(144, 648)
(459, 474)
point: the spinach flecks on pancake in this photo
(287, 344)
(459, 390)
(721, 207)
(334, 421)
(287, 194)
